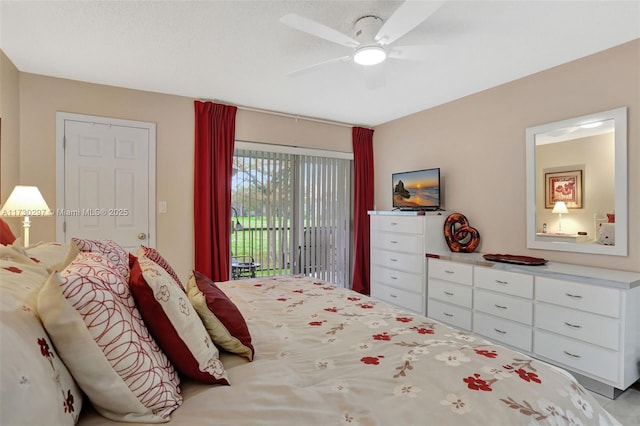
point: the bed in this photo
(320, 355)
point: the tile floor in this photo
(626, 407)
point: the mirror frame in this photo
(621, 232)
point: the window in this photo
(294, 210)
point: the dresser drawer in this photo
(457, 294)
(407, 262)
(596, 329)
(589, 298)
(577, 355)
(450, 314)
(451, 271)
(510, 333)
(503, 281)
(398, 242)
(509, 307)
(404, 299)
(398, 279)
(410, 225)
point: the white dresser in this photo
(399, 243)
(450, 292)
(584, 319)
(503, 308)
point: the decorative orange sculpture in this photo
(459, 235)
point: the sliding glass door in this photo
(291, 212)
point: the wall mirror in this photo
(577, 184)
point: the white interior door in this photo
(108, 180)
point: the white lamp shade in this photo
(560, 207)
(25, 201)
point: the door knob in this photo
(142, 236)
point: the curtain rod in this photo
(283, 114)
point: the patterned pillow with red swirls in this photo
(116, 254)
(98, 331)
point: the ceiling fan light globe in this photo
(369, 55)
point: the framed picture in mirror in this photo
(563, 186)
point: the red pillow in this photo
(611, 217)
(220, 316)
(6, 235)
(174, 323)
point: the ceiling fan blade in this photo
(409, 15)
(318, 65)
(317, 29)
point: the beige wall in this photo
(41, 97)
(479, 142)
(10, 137)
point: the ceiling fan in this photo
(373, 37)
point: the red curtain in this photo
(363, 202)
(215, 129)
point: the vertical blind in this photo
(295, 213)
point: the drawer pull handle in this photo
(572, 355)
(575, 296)
(572, 325)
(393, 295)
(448, 293)
(500, 306)
(448, 314)
(393, 278)
(393, 242)
(502, 282)
(394, 223)
(393, 260)
(448, 271)
(500, 331)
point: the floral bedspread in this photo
(329, 356)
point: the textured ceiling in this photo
(238, 52)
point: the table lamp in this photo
(25, 201)
(560, 207)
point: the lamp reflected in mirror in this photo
(560, 208)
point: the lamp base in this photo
(26, 224)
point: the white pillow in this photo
(92, 319)
(37, 388)
(53, 256)
(607, 234)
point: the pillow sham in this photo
(53, 256)
(31, 368)
(153, 254)
(606, 234)
(220, 316)
(116, 254)
(92, 319)
(174, 323)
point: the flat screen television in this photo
(416, 190)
